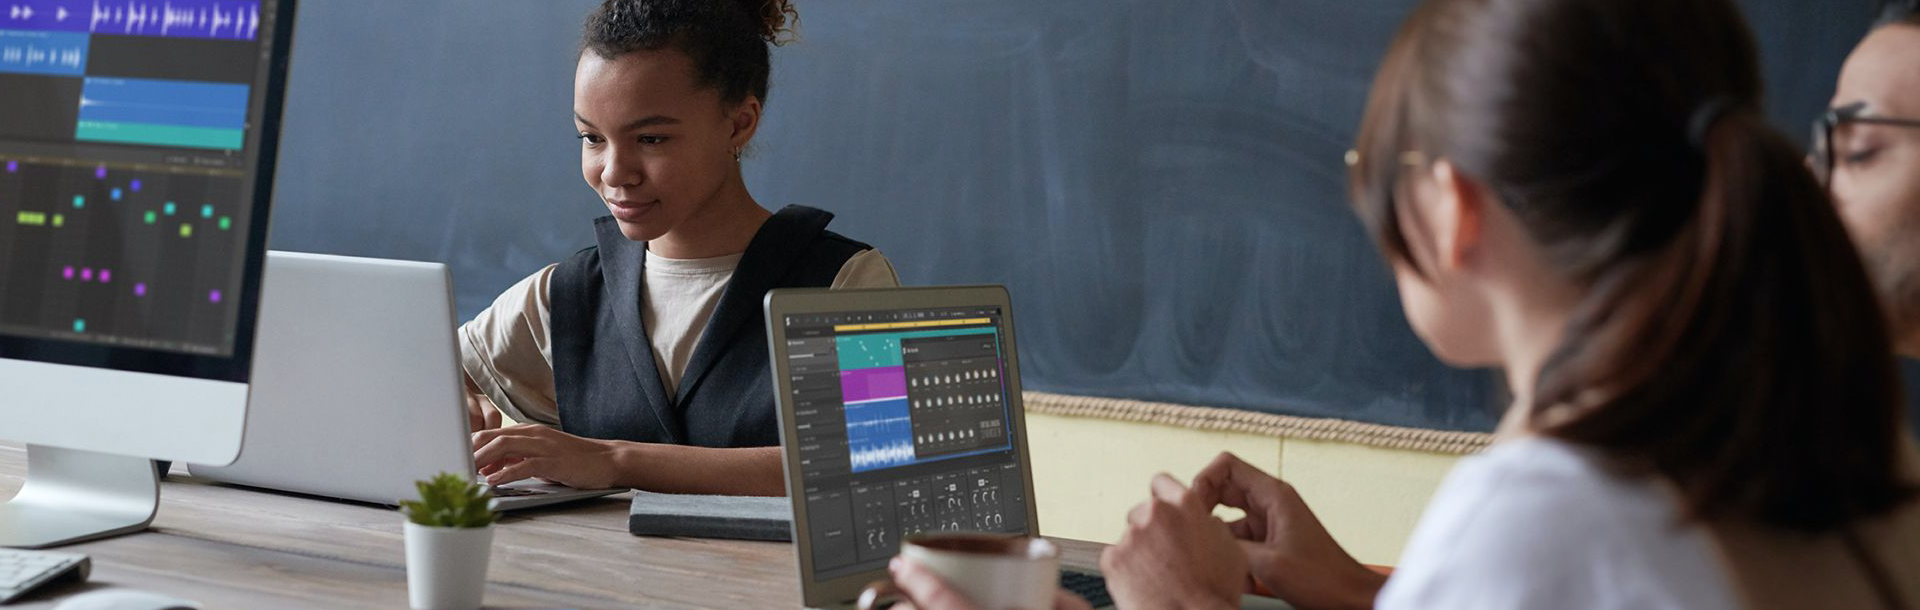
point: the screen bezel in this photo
(237, 366)
(785, 301)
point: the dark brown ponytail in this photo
(1745, 361)
(1729, 340)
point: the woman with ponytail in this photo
(1584, 193)
(641, 362)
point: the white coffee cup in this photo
(996, 572)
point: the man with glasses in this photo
(1867, 151)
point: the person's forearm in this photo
(1367, 588)
(1213, 605)
(751, 471)
(1337, 583)
(1357, 587)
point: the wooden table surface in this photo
(236, 548)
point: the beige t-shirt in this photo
(507, 352)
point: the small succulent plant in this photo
(450, 500)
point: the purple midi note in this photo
(874, 383)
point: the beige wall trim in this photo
(1235, 420)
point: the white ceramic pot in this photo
(447, 566)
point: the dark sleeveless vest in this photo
(603, 368)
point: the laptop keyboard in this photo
(515, 492)
(21, 571)
(1090, 587)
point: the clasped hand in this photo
(1175, 554)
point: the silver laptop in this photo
(357, 389)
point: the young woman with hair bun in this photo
(642, 361)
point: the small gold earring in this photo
(736, 155)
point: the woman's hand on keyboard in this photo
(525, 451)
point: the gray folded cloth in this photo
(697, 516)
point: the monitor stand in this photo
(72, 495)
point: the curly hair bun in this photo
(777, 19)
(727, 40)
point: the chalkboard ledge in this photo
(1216, 419)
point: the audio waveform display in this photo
(219, 19)
(52, 53)
(879, 434)
(879, 426)
(162, 113)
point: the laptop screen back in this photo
(904, 422)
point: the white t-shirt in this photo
(1536, 523)
(679, 297)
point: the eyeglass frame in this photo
(1821, 159)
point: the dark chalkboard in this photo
(1158, 182)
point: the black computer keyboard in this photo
(1091, 587)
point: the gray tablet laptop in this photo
(899, 413)
(356, 389)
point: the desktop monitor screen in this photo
(137, 142)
